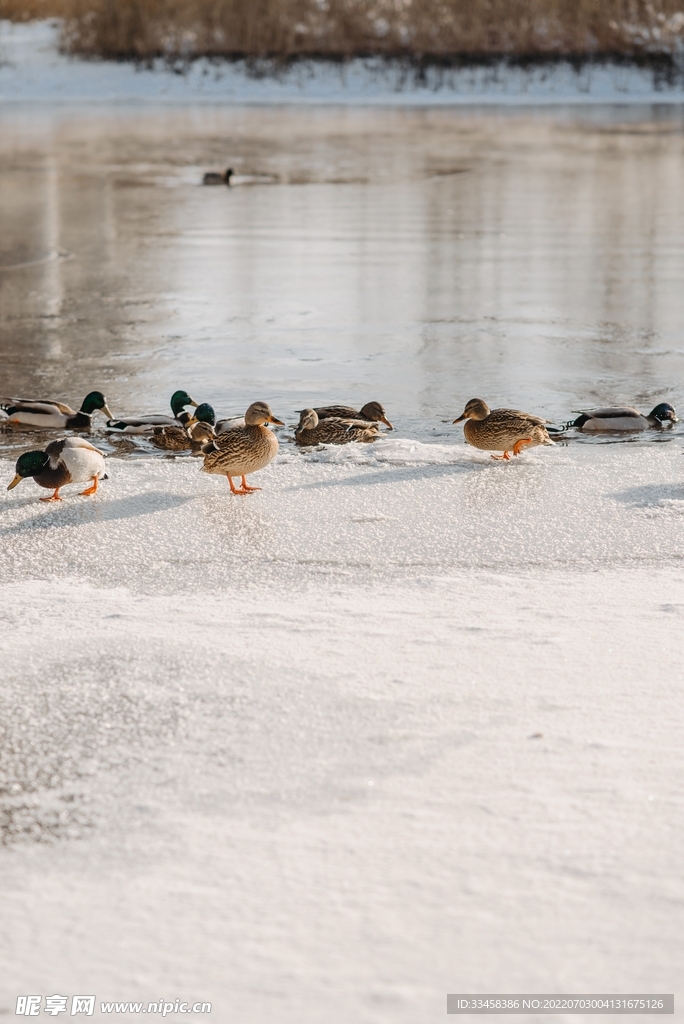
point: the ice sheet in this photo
(406, 721)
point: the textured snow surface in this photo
(32, 69)
(405, 722)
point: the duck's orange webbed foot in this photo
(501, 458)
(242, 490)
(53, 497)
(519, 445)
(246, 489)
(92, 489)
(233, 488)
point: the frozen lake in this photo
(408, 721)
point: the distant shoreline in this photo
(34, 69)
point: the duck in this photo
(229, 423)
(146, 424)
(243, 450)
(55, 415)
(218, 178)
(204, 429)
(502, 430)
(625, 419)
(372, 411)
(333, 430)
(71, 460)
(197, 431)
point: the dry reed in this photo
(431, 30)
(28, 10)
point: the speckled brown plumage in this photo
(502, 430)
(334, 430)
(245, 449)
(171, 439)
(373, 412)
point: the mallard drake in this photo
(625, 419)
(218, 178)
(501, 429)
(197, 431)
(145, 424)
(71, 460)
(245, 449)
(372, 411)
(312, 431)
(55, 415)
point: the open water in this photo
(419, 257)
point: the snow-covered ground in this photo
(406, 722)
(31, 69)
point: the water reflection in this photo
(418, 257)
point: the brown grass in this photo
(28, 10)
(424, 29)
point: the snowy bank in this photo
(32, 70)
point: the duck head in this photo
(308, 419)
(260, 413)
(204, 413)
(179, 399)
(29, 464)
(476, 409)
(376, 411)
(95, 400)
(664, 413)
(229, 172)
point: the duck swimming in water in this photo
(625, 419)
(55, 415)
(146, 424)
(501, 430)
(216, 178)
(71, 460)
(245, 449)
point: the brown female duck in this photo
(373, 412)
(192, 435)
(333, 430)
(501, 430)
(245, 449)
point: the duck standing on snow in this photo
(245, 449)
(312, 431)
(501, 429)
(72, 460)
(198, 430)
(373, 412)
(146, 424)
(625, 419)
(216, 178)
(55, 415)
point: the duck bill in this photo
(383, 419)
(278, 423)
(17, 480)
(107, 411)
(460, 419)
